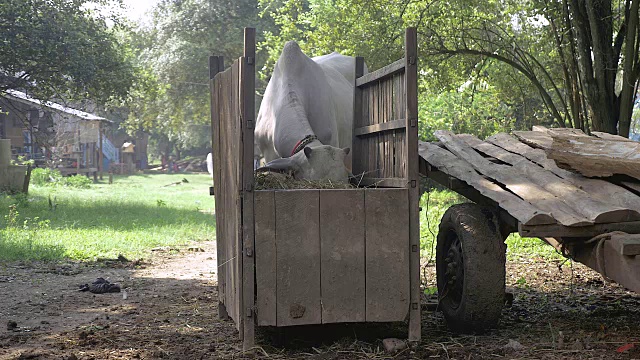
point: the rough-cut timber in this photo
(597, 188)
(596, 157)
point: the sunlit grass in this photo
(436, 202)
(128, 217)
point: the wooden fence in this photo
(232, 119)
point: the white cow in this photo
(306, 117)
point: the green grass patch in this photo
(436, 202)
(129, 217)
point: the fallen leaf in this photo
(624, 348)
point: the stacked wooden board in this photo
(529, 185)
(600, 155)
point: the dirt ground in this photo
(170, 312)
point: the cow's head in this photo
(318, 163)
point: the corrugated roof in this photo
(24, 98)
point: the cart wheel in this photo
(470, 266)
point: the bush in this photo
(45, 176)
(52, 177)
(77, 181)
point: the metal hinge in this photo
(248, 251)
(412, 60)
(250, 60)
(413, 122)
(211, 191)
(413, 183)
(249, 312)
(249, 124)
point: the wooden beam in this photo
(382, 73)
(558, 231)
(382, 182)
(378, 128)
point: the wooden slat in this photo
(358, 114)
(265, 232)
(599, 189)
(450, 164)
(247, 118)
(607, 136)
(626, 244)
(382, 182)
(512, 179)
(537, 139)
(387, 255)
(559, 231)
(380, 74)
(298, 257)
(411, 91)
(594, 210)
(596, 157)
(342, 224)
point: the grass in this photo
(137, 213)
(435, 203)
(129, 217)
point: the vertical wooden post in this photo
(100, 153)
(413, 182)
(216, 65)
(357, 155)
(247, 86)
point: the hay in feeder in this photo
(279, 181)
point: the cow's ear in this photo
(307, 152)
(279, 165)
(346, 150)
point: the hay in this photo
(278, 181)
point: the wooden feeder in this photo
(297, 257)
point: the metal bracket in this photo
(413, 183)
(250, 60)
(249, 252)
(413, 122)
(414, 306)
(249, 124)
(414, 248)
(211, 191)
(412, 60)
(249, 312)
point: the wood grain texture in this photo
(266, 281)
(626, 244)
(342, 231)
(515, 182)
(458, 168)
(596, 188)
(593, 209)
(387, 255)
(298, 257)
(381, 73)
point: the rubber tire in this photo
(483, 256)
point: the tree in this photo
(569, 51)
(174, 103)
(62, 49)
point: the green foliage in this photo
(63, 49)
(107, 220)
(45, 176)
(77, 181)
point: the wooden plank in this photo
(357, 156)
(342, 249)
(411, 91)
(387, 255)
(247, 118)
(513, 180)
(450, 164)
(215, 67)
(599, 189)
(607, 136)
(265, 235)
(559, 231)
(382, 182)
(380, 74)
(298, 257)
(606, 260)
(596, 157)
(537, 139)
(626, 244)
(593, 209)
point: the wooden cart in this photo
(297, 257)
(515, 187)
